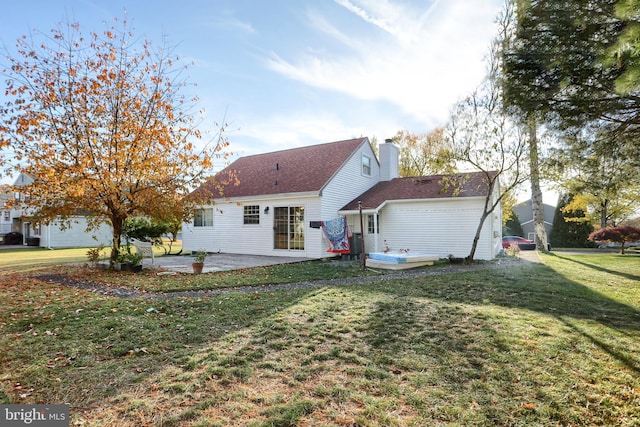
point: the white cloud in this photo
(401, 21)
(280, 132)
(431, 59)
(227, 21)
(321, 24)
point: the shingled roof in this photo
(297, 170)
(421, 187)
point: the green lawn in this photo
(37, 258)
(550, 344)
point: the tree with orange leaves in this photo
(100, 124)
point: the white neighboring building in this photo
(6, 217)
(273, 203)
(57, 234)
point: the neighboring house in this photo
(57, 234)
(6, 217)
(271, 204)
(524, 211)
(10, 221)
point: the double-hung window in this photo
(203, 217)
(366, 165)
(372, 227)
(251, 214)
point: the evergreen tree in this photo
(571, 228)
(513, 227)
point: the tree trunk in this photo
(117, 224)
(476, 238)
(536, 191)
(603, 214)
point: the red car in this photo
(523, 244)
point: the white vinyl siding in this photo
(438, 227)
(348, 183)
(76, 236)
(230, 235)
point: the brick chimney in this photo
(389, 154)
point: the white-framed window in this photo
(203, 217)
(7, 215)
(366, 165)
(251, 214)
(371, 224)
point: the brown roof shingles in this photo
(422, 187)
(297, 170)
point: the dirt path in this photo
(126, 292)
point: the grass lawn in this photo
(37, 258)
(556, 343)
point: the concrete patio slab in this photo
(218, 262)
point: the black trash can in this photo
(33, 241)
(13, 238)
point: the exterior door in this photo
(26, 232)
(288, 228)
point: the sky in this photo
(291, 73)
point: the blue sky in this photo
(288, 73)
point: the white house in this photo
(6, 217)
(274, 203)
(277, 196)
(57, 234)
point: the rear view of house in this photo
(264, 204)
(273, 203)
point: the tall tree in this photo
(487, 140)
(571, 226)
(573, 64)
(100, 124)
(558, 61)
(424, 154)
(530, 84)
(601, 171)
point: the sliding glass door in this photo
(288, 228)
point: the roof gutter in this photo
(268, 197)
(368, 211)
